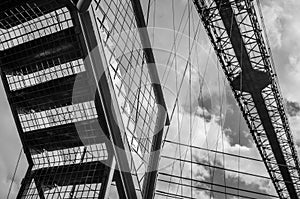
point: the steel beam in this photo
(107, 179)
(249, 76)
(162, 117)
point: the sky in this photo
(283, 29)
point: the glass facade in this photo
(43, 54)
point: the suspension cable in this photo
(15, 171)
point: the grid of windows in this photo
(58, 116)
(36, 25)
(129, 74)
(75, 155)
(17, 80)
(58, 188)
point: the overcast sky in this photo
(282, 19)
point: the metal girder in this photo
(107, 179)
(235, 33)
(162, 118)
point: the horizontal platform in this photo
(51, 94)
(75, 174)
(42, 53)
(82, 133)
(12, 12)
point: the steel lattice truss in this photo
(235, 32)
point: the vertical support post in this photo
(152, 172)
(120, 188)
(39, 189)
(162, 118)
(107, 180)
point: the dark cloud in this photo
(205, 104)
(293, 108)
(234, 125)
(204, 101)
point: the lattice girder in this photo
(235, 33)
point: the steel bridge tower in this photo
(242, 49)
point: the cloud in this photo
(272, 17)
(235, 127)
(293, 108)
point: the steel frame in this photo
(51, 58)
(235, 33)
(38, 74)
